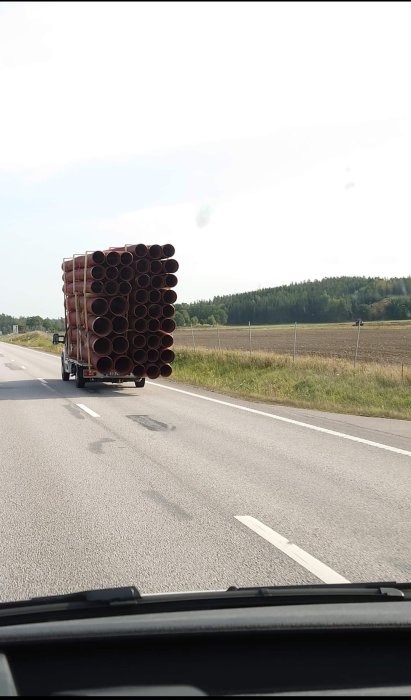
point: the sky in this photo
(269, 142)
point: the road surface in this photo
(172, 488)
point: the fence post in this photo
(295, 340)
(358, 342)
(249, 328)
(192, 333)
(219, 339)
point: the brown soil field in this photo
(383, 343)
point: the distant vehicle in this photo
(358, 322)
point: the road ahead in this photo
(173, 488)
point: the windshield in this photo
(205, 295)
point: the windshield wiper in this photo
(126, 600)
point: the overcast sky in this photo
(269, 142)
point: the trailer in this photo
(83, 373)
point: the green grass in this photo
(35, 340)
(317, 383)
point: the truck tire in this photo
(64, 375)
(139, 383)
(80, 381)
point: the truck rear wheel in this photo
(64, 375)
(139, 383)
(80, 381)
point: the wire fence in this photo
(384, 344)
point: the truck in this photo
(118, 313)
(83, 373)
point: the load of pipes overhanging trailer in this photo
(119, 308)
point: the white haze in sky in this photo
(270, 142)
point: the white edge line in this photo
(88, 410)
(327, 431)
(315, 566)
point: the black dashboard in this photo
(304, 649)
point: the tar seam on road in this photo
(88, 410)
(316, 567)
(300, 424)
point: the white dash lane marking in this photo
(291, 421)
(43, 381)
(88, 410)
(315, 566)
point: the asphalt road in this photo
(173, 488)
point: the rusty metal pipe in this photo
(153, 341)
(142, 265)
(126, 273)
(126, 258)
(168, 311)
(139, 250)
(139, 341)
(98, 306)
(139, 311)
(169, 266)
(153, 325)
(112, 257)
(102, 364)
(112, 272)
(155, 311)
(141, 296)
(100, 345)
(158, 281)
(143, 281)
(124, 287)
(120, 325)
(166, 370)
(153, 371)
(123, 364)
(139, 356)
(118, 306)
(153, 355)
(140, 325)
(156, 266)
(92, 287)
(171, 281)
(100, 325)
(97, 272)
(96, 258)
(166, 340)
(155, 252)
(111, 287)
(139, 371)
(168, 296)
(168, 250)
(120, 345)
(168, 325)
(167, 356)
(155, 296)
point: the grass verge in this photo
(35, 340)
(317, 383)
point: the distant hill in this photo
(331, 299)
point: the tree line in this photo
(332, 299)
(30, 323)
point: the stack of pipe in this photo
(119, 307)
